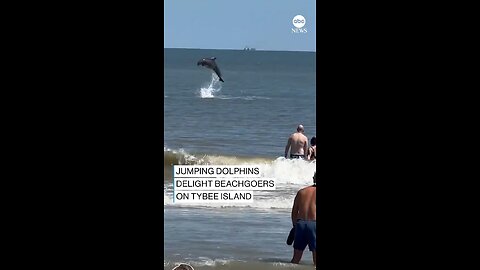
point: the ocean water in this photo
(245, 120)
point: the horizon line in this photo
(230, 49)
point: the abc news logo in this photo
(183, 266)
(299, 23)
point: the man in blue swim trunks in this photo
(304, 219)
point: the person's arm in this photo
(288, 146)
(295, 210)
(305, 149)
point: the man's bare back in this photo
(297, 144)
(304, 220)
(305, 205)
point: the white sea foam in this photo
(207, 263)
(290, 175)
(200, 261)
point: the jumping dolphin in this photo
(210, 63)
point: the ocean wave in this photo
(290, 175)
(181, 157)
(272, 203)
(288, 171)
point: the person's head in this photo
(300, 128)
(313, 141)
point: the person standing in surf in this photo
(297, 144)
(312, 150)
(304, 220)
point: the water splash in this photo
(212, 89)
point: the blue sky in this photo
(234, 24)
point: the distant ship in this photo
(249, 49)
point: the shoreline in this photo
(234, 245)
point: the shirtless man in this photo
(304, 219)
(298, 144)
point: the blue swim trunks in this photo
(305, 233)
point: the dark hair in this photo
(313, 141)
